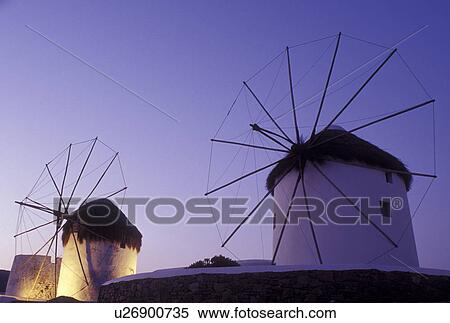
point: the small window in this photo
(388, 177)
(385, 207)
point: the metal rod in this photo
(58, 222)
(100, 179)
(38, 203)
(387, 170)
(78, 253)
(375, 121)
(56, 256)
(56, 185)
(354, 205)
(311, 225)
(256, 128)
(393, 115)
(116, 192)
(35, 228)
(254, 209)
(267, 112)
(39, 250)
(46, 209)
(274, 134)
(355, 70)
(248, 145)
(42, 266)
(79, 175)
(326, 86)
(358, 92)
(286, 217)
(64, 178)
(246, 175)
(297, 133)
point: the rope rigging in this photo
(275, 130)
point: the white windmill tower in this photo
(341, 199)
(100, 244)
(98, 241)
(369, 231)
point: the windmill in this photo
(64, 207)
(329, 163)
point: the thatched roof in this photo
(101, 219)
(347, 147)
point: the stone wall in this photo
(292, 286)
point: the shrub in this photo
(216, 261)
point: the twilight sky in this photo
(190, 58)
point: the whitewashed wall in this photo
(32, 277)
(102, 261)
(355, 244)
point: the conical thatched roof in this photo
(347, 147)
(101, 219)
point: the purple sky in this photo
(190, 59)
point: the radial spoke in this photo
(297, 133)
(79, 175)
(286, 217)
(116, 192)
(256, 128)
(248, 145)
(35, 228)
(354, 205)
(56, 256)
(56, 185)
(100, 179)
(52, 240)
(256, 207)
(64, 178)
(40, 204)
(358, 92)
(78, 253)
(268, 114)
(272, 133)
(39, 250)
(40, 208)
(375, 122)
(246, 175)
(311, 225)
(382, 169)
(326, 86)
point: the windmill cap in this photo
(338, 144)
(102, 220)
(336, 127)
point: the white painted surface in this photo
(173, 272)
(345, 244)
(102, 261)
(32, 278)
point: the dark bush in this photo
(216, 261)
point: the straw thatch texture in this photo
(102, 220)
(347, 147)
